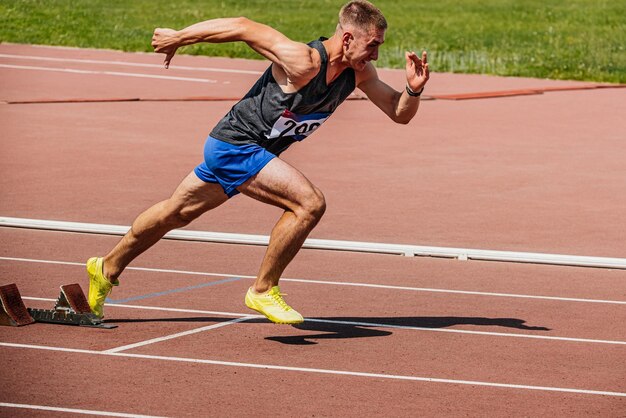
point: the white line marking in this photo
(323, 371)
(335, 245)
(131, 64)
(463, 292)
(73, 410)
(362, 323)
(114, 73)
(373, 286)
(160, 309)
(177, 335)
(154, 270)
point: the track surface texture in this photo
(493, 163)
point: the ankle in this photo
(108, 274)
(260, 289)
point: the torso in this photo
(275, 113)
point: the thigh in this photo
(280, 184)
(194, 196)
(231, 165)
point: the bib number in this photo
(297, 126)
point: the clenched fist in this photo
(165, 41)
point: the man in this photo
(298, 92)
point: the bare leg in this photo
(282, 185)
(192, 198)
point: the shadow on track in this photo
(354, 327)
(359, 327)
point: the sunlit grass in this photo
(573, 39)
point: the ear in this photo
(346, 38)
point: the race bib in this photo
(297, 126)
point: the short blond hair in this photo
(362, 14)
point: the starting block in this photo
(13, 311)
(71, 308)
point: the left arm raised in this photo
(399, 106)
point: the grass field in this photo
(559, 39)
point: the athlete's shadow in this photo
(359, 327)
(328, 331)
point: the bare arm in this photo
(298, 60)
(398, 105)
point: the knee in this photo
(175, 216)
(320, 204)
(313, 206)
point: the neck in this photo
(334, 49)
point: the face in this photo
(361, 47)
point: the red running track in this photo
(385, 335)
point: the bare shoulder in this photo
(298, 60)
(292, 77)
(305, 63)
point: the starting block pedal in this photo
(13, 312)
(71, 308)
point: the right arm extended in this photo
(298, 60)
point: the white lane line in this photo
(74, 410)
(114, 73)
(325, 282)
(131, 64)
(334, 245)
(177, 335)
(160, 309)
(362, 324)
(463, 292)
(323, 371)
(154, 270)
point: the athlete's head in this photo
(362, 29)
(362, 14)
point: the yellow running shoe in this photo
(99, 286)
(273, 306)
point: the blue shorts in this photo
(231, 165)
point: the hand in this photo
(165, 41)
(417, 72)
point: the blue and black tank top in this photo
(273, 119)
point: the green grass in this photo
(558, 39)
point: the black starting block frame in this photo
(71, 308)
